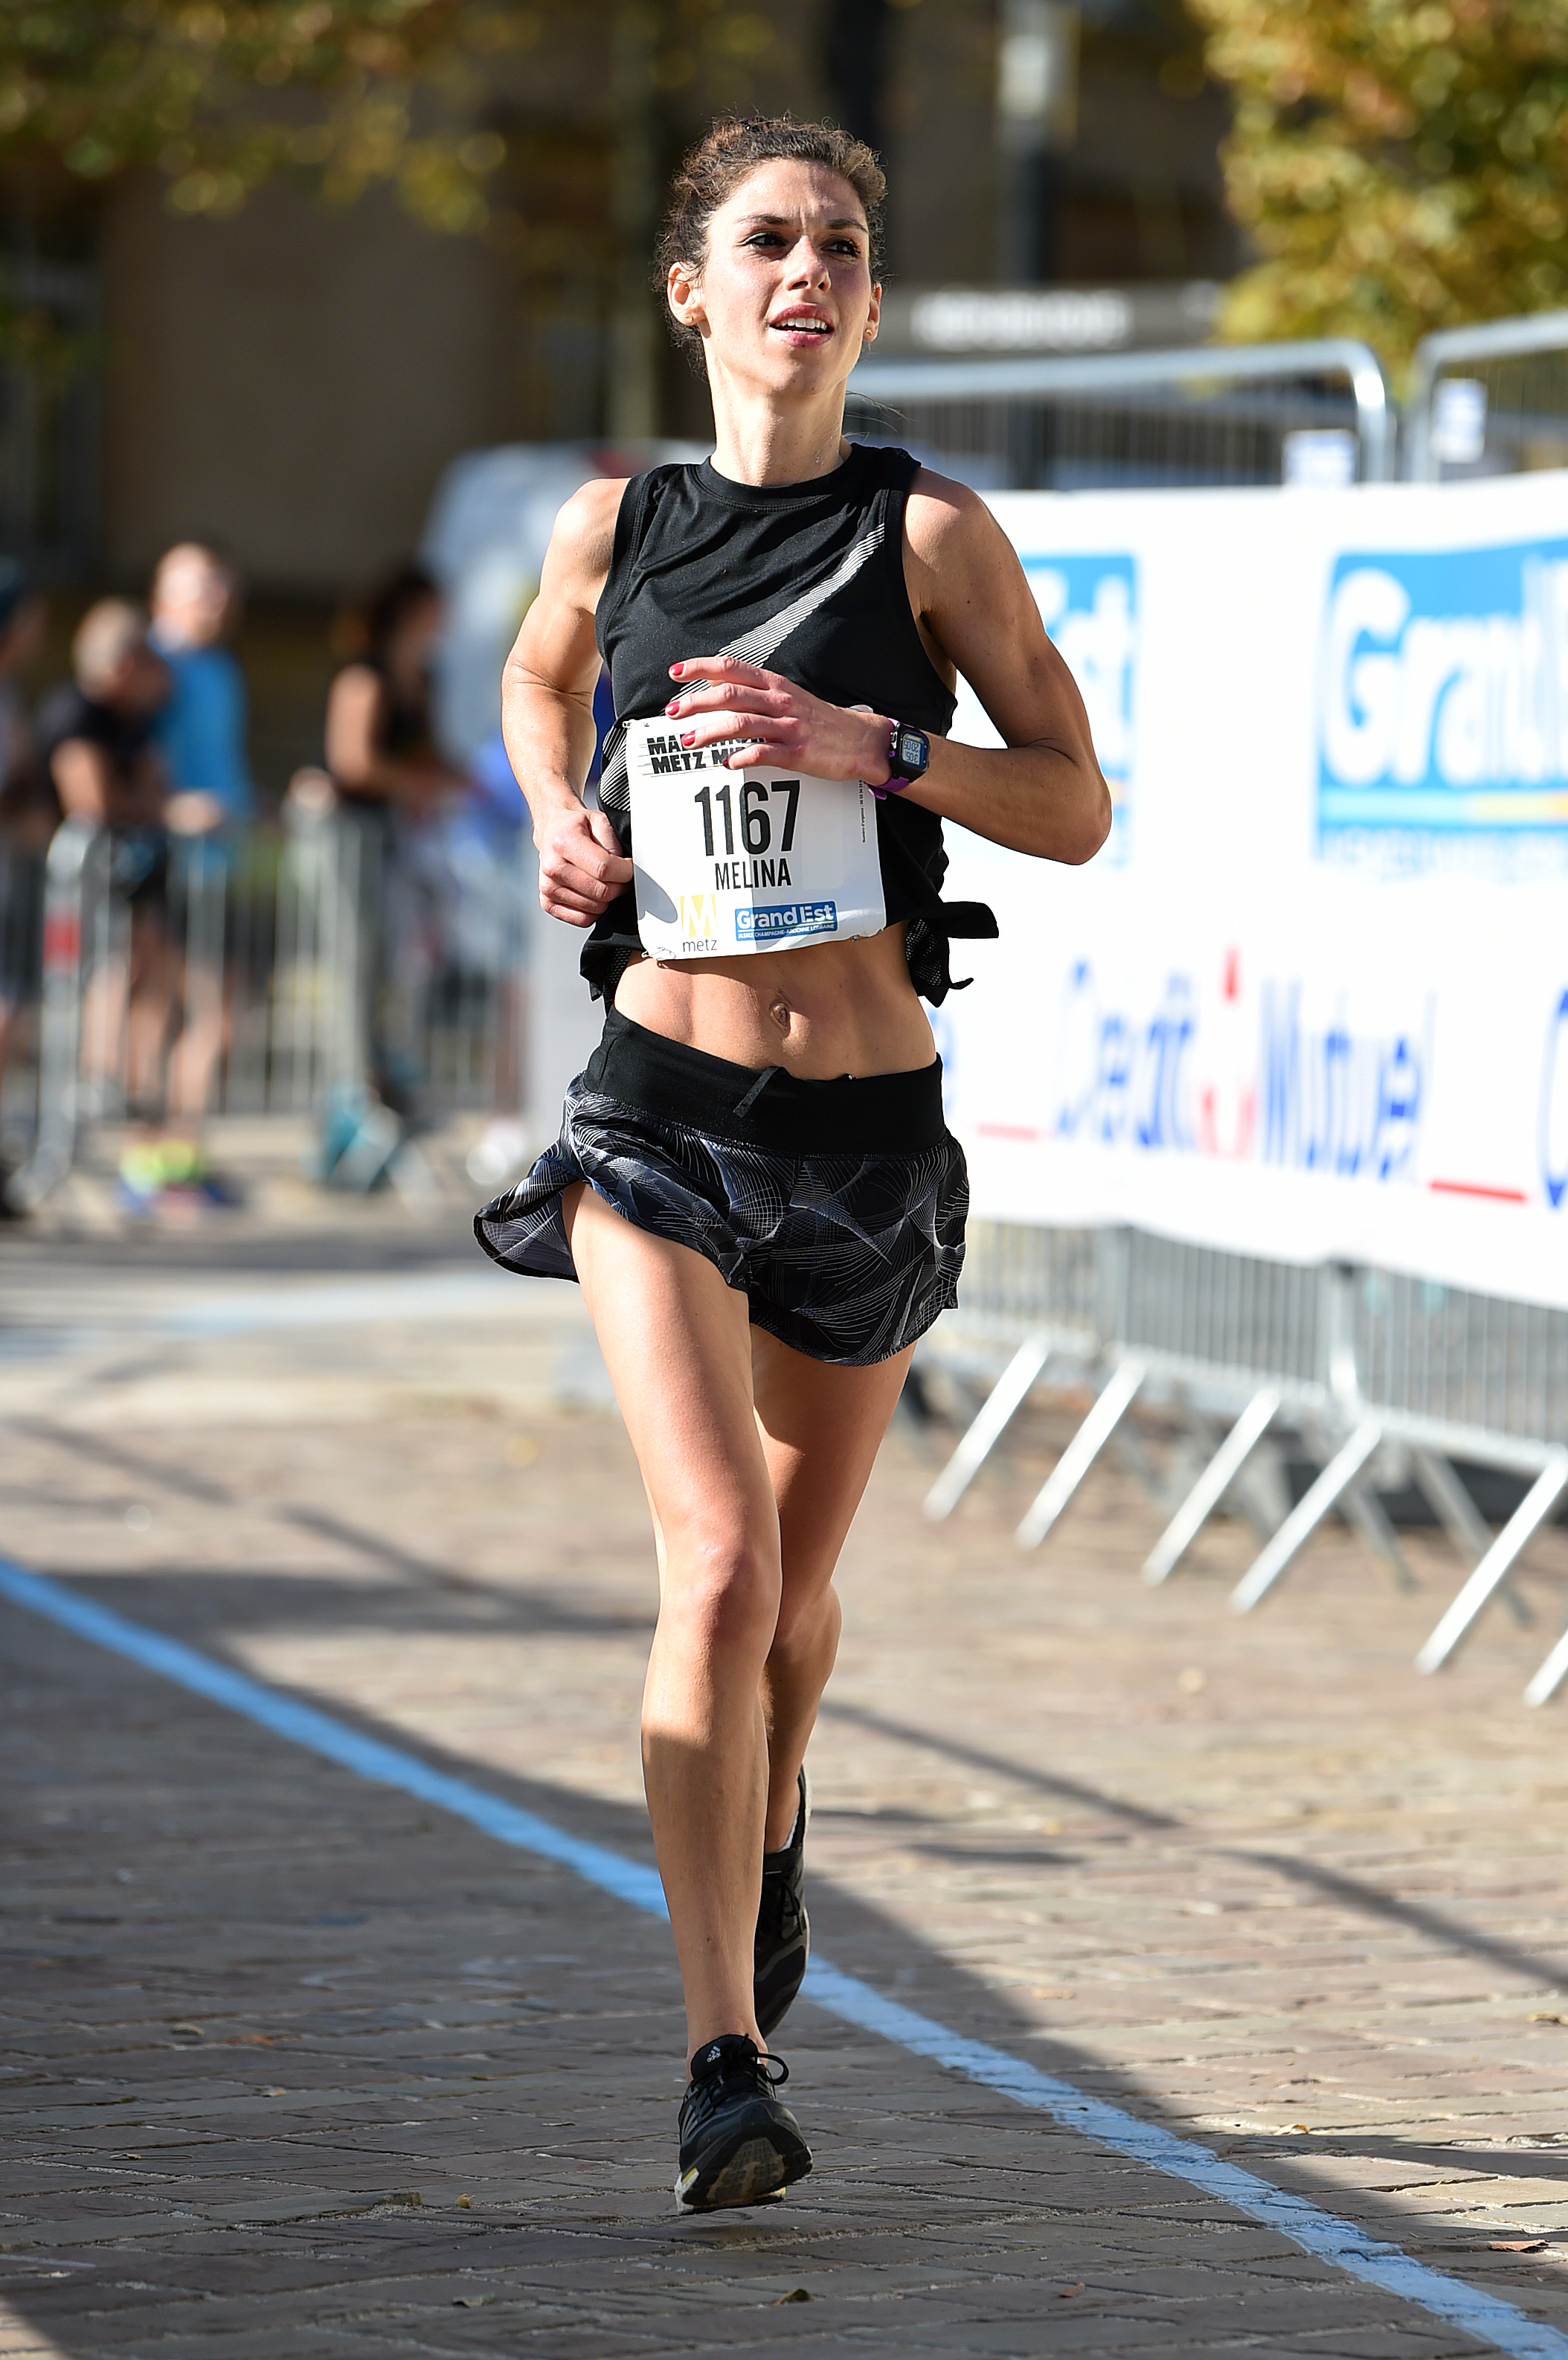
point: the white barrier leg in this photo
(1461, 1520)
(1495, 1567)
(1456, 1511)
(1362, 1509)
(1261, 1489)
(1212, 1485)
(1551, 1675)
(1005, 1398)
(1307, 1516)
(1143, 1466)
(1116, 1399)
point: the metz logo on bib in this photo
(735, 861)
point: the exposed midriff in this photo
(834, 1008)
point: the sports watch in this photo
(909, 758)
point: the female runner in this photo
(754, 1184)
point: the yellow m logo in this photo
(699, 916)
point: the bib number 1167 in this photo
(756, 818)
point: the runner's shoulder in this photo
(584, 535)
(945, 521)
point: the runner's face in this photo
(786, 284)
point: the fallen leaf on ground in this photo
(1063, 2293)
(796, 2294)
(1516, 2244)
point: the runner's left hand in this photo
(794, 729)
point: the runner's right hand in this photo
(582, 866)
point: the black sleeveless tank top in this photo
(807, 580)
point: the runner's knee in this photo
(722, 1589)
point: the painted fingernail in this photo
(674, 705)
(676, 670)
(689, 738)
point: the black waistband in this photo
(883, 1114)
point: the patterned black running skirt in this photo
(836, 1208)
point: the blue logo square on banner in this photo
(1089, 606)
(1443, 710)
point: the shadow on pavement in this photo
(1353, 1893)
(232, 1969)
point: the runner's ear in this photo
(683, 290)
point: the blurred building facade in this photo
(294, 379)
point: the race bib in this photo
(730, 862)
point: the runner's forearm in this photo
(1035, 799)
(550, 735)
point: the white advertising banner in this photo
(1312, 1000)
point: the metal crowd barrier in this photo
(1486, 399)
(1201, 414)
(1041, 1289)
(1378, 1372)
(304, 961)
(1227, 1328)
(1470, 1376)
(76, 900)
(1495, 394)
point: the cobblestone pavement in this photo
(1252, 1879)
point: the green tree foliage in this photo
(1402, 165)
(431, 98)
(218, 95)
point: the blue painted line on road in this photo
(287, 1717)
(1474, 2312)
(416, 1294)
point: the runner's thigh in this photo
(821, 1426)
(677, 1344)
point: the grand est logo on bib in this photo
(733, 862)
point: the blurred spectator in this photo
(201, 730)
(392, 786)
(380, 748)
(95, 741)
(202, 735)
(29, 814)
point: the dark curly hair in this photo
(728, 154)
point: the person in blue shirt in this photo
(201, 733)
(201, 736)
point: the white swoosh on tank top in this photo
(758, 645)
(765, 638)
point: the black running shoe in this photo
(783, 1929)
(739, 2144)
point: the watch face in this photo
(912, 753)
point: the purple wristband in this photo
(894, 784)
